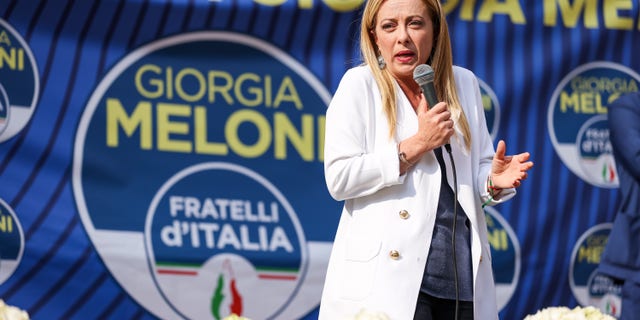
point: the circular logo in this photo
(182, 164)
(4, 109)
(20, 81)
(594, 148)
(585, 258)
(577, 119)
(491, 108)
(11, 241)
(505, 256)
(605, 293)
(238, 248)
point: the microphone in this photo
(423, 75)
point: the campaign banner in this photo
(164, 159)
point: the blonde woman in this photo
(412, 240)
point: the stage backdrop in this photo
(164, 159)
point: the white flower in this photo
(564, 313)
(8, 312)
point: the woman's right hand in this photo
(435, 126)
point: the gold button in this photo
(394, 254)
(480, 258)
(404, 214)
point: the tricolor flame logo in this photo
(235, 306)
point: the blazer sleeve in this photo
(354, 164)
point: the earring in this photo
(381, 62)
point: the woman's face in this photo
(404, 35)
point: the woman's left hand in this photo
(509, 171)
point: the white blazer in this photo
(383, 237)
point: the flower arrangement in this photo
(8, 312)
(564, 313)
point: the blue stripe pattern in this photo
(76, 42)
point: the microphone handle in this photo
(430, 94)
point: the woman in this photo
(392, 250)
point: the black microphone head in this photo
(423, 74)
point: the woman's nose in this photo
(403, 35)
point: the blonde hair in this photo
(441, 61)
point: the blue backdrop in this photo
(163, 159)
